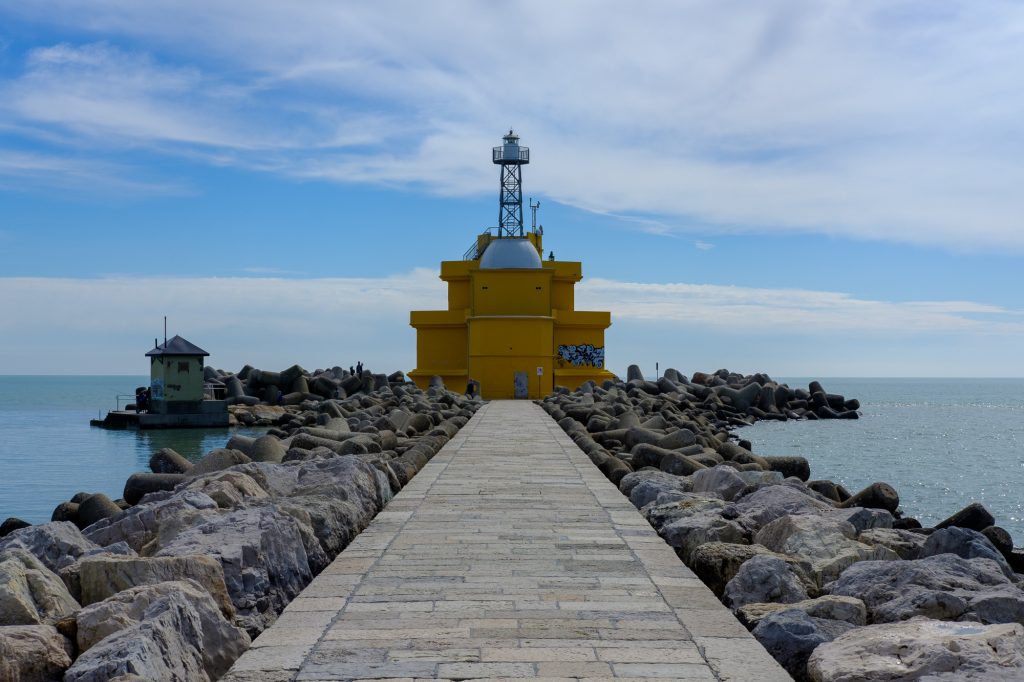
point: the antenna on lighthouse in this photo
(533, 209)
(511, 157)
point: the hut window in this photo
(183, 367)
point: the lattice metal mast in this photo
(511, 157)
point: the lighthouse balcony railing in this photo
(480, 243)
(515, 155)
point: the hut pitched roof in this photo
(177, 346)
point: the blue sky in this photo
(804, 188)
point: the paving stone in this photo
(508, 556)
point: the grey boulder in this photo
(141, 525)
(764, 578)
(922, 650)
(33, 653)
(905, 543)
(715, 563)
(721, 481)
(56, 544)
(646, 487)
(267, 556)
(222, 642)
(30, 593)
(942, 587)
(103, 576)
(790, 636)
(823, 545)
(965, 543)
(828, 606)
(165, 644)
(229, 488)
(766, 504)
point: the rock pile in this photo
(172, 581)
(823, 578)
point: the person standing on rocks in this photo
(359, 368)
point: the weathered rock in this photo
(965, 543)
(824, 546)
(169, 461)
(71, 574)
(943, 587)
(229, 489)
(702, 522)
(645, 487)
(829, 606)
(139, 485)
(766, 504)
(791, 635)
(875, 496)
(267, 556)
(165, 645)
(30, 593)
(218, 459)
(222, 642)
(922, 650)
(33, 653)
(716, 563)
(764, 578)
(56, 544)
(140, 525)
(863, 518)
(973, 517)
(722, 481)
(103, 576)
(906, 544)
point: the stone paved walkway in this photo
(509, 555)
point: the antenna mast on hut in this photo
(511, 157)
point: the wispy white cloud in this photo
(96, 325)
(21, 170)
(785, 311)
(703, 246)
(853, 118)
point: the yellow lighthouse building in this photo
(511, 322)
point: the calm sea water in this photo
(942, 443)
(48, 451)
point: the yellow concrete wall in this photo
(457, 274)
(563, 282)
(511, 292)
(445, 346)
(501, 346)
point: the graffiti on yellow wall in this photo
(582, 354)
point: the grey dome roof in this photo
(510, 253)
